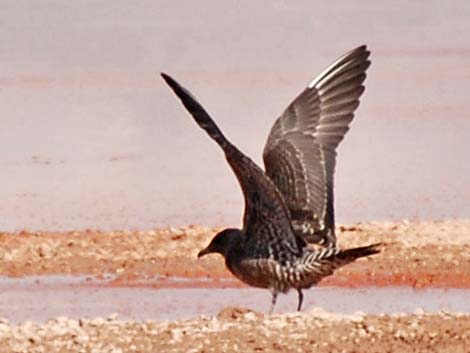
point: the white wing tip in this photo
(362, 48)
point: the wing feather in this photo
(300, 154)
(266, 221)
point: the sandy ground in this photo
(420, 254)
(236, 330)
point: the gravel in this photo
(240, 330)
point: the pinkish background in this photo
(90, 136)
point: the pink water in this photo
(40, 298)
(91, 137)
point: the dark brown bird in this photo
(289, 207)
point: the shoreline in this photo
(78, 271)
(419, 254)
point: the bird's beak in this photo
(204, 251)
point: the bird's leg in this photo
(301, 299)
(273, 301)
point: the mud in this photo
(415, 253)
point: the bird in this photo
(288, 238)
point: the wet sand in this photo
(418, 254)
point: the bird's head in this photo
(222, 242)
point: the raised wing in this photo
(300, 153)
(266, 221)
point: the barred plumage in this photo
(291, 204)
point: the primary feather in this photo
(300, 153)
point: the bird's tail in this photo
(198, 112)
(320, 264)
(350, 255)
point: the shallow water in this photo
(92, 137)
(41, 298)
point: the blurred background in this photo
(91, 137)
